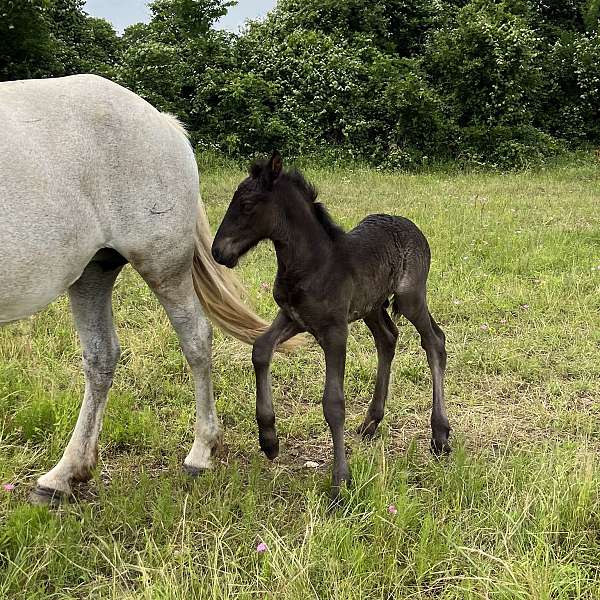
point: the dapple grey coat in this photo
(93, 177)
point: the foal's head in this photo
(265, 203)
(255, 210)
(251, 215)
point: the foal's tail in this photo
(220, 291)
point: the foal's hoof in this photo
(367, 430)
(336, 498)
(440, 447)
(270, 446)
(194, 471)
(45, 496)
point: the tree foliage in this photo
(165, 60)
(49, 38)
(26, 42)
(392, 82)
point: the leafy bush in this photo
(504, 147)
(309, 91)
(164, 60)
(558, 16)
(569, 102)
(485, 63)
(395, 26)
(397, 83)
(50, 38)
(591, 16)
(26, 45)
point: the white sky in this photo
(122, 13)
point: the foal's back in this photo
(388, 254)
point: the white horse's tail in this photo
(176, 123)
(221, 292)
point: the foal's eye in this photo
(247, 207)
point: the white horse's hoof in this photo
(195, 471)
(45, 496)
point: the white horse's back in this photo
(85, 164)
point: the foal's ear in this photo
(256, 169)
(275, 165)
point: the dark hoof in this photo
(367, 430)
(270, 446)
(440, 447)
(336, 497)
(193, 471)
(339, 481)
(336, 500)
(44, 496)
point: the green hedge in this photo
(395, 83)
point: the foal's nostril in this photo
(216, 253)
(223, 253)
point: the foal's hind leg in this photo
(194, 331)
(414, 308)
(385, 334)
(90, 300)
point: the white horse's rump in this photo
(84, 165)
(92, 177)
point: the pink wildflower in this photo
(392, 509)
(262, 547)
(8, 487)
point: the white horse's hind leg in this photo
(194, 331)
(90, 298)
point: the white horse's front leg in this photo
(90, 300)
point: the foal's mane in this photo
(309, 193)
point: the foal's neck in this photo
(301, 243)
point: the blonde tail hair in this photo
(220, 291)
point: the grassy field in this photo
(514, 512)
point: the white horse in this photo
(93, 177)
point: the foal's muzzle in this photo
(223, 257)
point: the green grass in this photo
(513, 514)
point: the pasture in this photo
(513, 514)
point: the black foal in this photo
(327, 278)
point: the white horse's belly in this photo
(15, 311)
(29, 295)
(42, 253)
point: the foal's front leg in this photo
(333, 341)
(282, 329)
